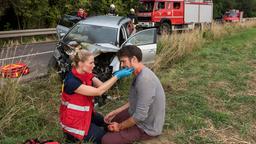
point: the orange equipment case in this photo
(14, 70)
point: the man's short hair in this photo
(130, 51)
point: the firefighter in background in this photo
(133, 16)
(82, 13)
(131, 27)
(79, 121)
(112, 10)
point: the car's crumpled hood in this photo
(99, 48)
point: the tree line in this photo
(247, 6)
(30, 14)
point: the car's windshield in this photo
(146, 7)
(231, 13)
(91, 34)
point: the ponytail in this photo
(79, 55)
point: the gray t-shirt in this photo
(147, 102)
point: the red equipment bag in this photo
(14, 70)
(36, 141)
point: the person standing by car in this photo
(143, 116)
(131, 27)
(133, 16)
(79, 120)
(82, 13)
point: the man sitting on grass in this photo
(143, 116)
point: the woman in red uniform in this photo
(77, 116)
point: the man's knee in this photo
(100, 134)
(113, 138)
(106, 140)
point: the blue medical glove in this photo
(123, 73)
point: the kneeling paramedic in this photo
(77, 116)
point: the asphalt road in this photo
(36, 56)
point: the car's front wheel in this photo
(165, 28)
(52, 64)
(59, 67)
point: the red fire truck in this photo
(171, 15)
(233, 16)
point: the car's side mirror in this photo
(62, 35)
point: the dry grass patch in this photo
(215, 103)
(223, 85)
(167, 137)
(226, 135)
(219, 84)
(252, 85)
(172, 47)
(217, 30)
(252, 82)
(180, 85)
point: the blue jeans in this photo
(96, 131)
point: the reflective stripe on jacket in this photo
(76, 109)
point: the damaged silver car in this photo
(103, 36)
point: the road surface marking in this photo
(28, 55)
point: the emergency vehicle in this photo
(233, 16)
(171, 15)
(14, 70)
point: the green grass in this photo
(210, 92)
(35, 105)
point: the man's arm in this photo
(116, 127)
(146, 90)
(108, 118)
(127, 123)
(120, 109)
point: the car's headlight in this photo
(69, 50)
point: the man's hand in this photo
(114, 127)
(108, 118)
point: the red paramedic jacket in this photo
(76, 109)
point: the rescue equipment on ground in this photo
(36, 141)
(14, 70)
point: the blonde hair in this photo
(80, 55)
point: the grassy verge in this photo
(29, 110)
(210, 93)
(173, 48)
(209, 88)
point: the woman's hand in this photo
(108, 118)
(123, 73)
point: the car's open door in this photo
(146, 41)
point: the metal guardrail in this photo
(250, 19)
(28, 32)
(48, 31)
